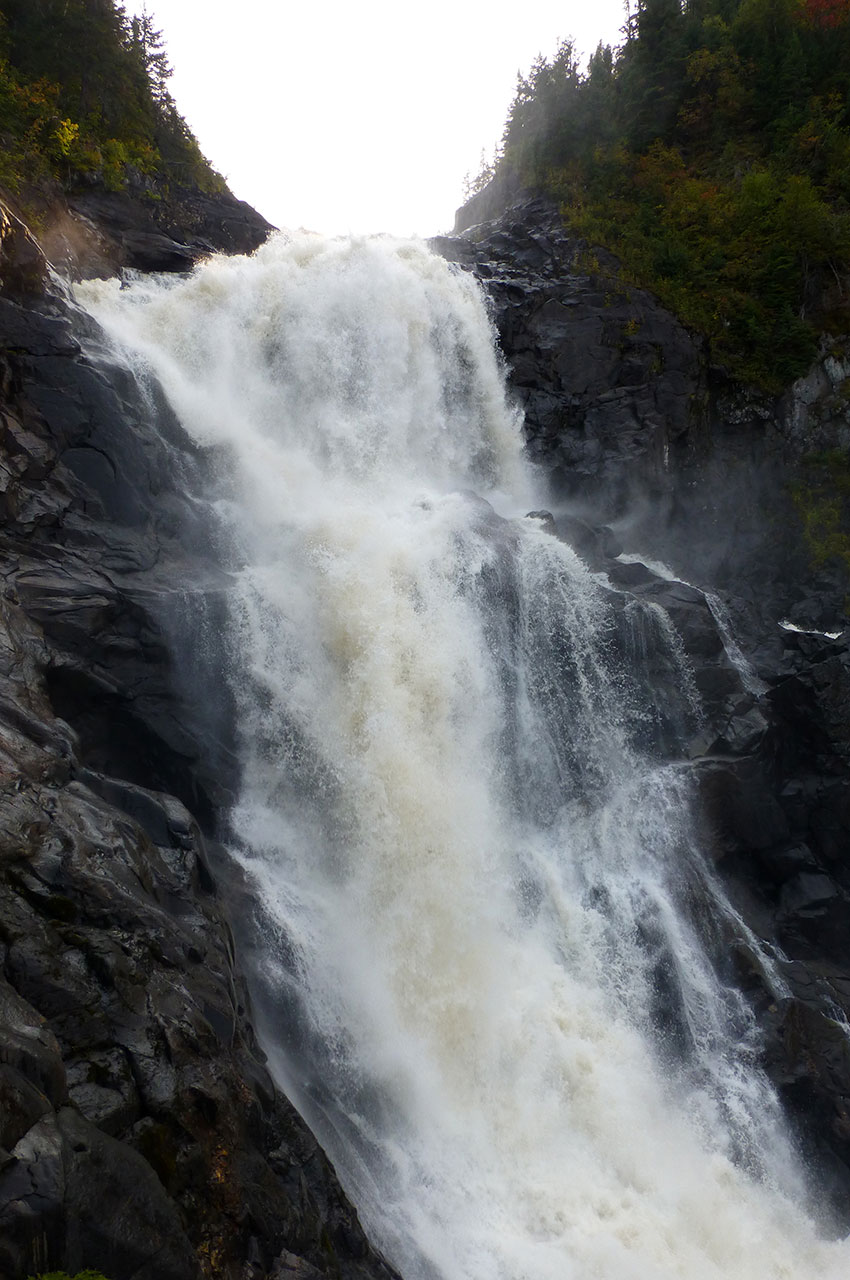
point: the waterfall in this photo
(487, 953)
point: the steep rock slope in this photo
(101, 232)
(635, 427)
(651, 451)
(609, 381)
(140, 1132)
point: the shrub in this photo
(63, 1275)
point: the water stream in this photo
(489, 954)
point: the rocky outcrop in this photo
(96, 232)
(608, 380)
(489, 201)
(140, 1132)
(151, 235)
(635, 429)
(23, 266)
(777, 810)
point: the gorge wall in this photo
(650, 450)
(141, 1132)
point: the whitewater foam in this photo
(491, 969)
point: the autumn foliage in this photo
(827, 13)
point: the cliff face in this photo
(101, 233)
(634, 427)
(140, 1132)
(651, 451)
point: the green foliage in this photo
(84, 100)
(63, 1275)
(822, 498)
(712, 154)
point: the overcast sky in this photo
(359, 116)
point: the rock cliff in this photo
(140, 1133)
(652, 452)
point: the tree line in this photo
(84, 100)
(711, 152)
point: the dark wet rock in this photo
(140, 1131)
(776, 803)
(636, 429)
(23, 266)
(738, 799)
(744, 729)
(638, 433)
(808, 893)
(545, 519)
(770, 770)
(29, 1050)
(118, 1216)
(816, 700)
(125, 1032)
(597, 544)
(630, 574)
(22, 1104)
(288, 1267)
(100, 233)
(607, 379)
(808, 1057)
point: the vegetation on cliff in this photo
(84, 103)
(63, 1275)
(711, 152)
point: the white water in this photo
(719, 612)
(491, 948)
(787, 625)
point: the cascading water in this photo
(488, 950)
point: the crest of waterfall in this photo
(488, 953)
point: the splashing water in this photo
(488, 949)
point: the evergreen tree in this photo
(653, 69)
(84, 96)
(712, 154)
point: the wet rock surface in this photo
(635, 429)
(109, 232)
(140, 1132)
(769, 754)
(100, 233)
(767, 744)
(608, 380)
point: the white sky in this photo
(362, 116)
